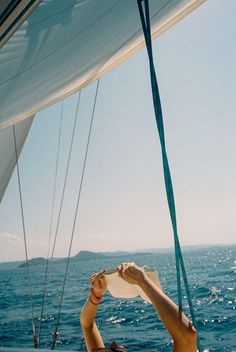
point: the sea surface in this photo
(133, 323)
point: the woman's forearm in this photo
(93, 338)
(176, 322)
(88, 313)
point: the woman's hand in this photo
(98, 283)
(131, 273)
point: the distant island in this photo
(34, 261)
(81, 256)
(89, 255)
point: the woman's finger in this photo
(118, 269)
(124, 268)
(103, 279)
(97, 280)
(97, 274)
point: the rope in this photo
(50, 227)
(66, 175)
(35, 338)
(145, 20)
(55, 334)
(49, 262)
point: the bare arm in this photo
(176, 322)
(93, 338)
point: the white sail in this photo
(7, 150)
(61, 47)
(65, 45)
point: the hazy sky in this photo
(123, 203)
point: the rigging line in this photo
(35, 342)
(55, 334)
(49, 262)
(51, 222)
(167, 176)
(66, 175)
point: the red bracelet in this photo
(95, 299)
(92, 301)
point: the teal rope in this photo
(145, 20)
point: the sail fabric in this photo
(65, 45)
(7, 150)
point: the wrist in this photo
(144, 282)
(98, 292)
(95, 297)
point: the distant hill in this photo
(34, 261)
(81, 256)
(87, 255)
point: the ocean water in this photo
(133, 323)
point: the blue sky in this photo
(123, 203)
